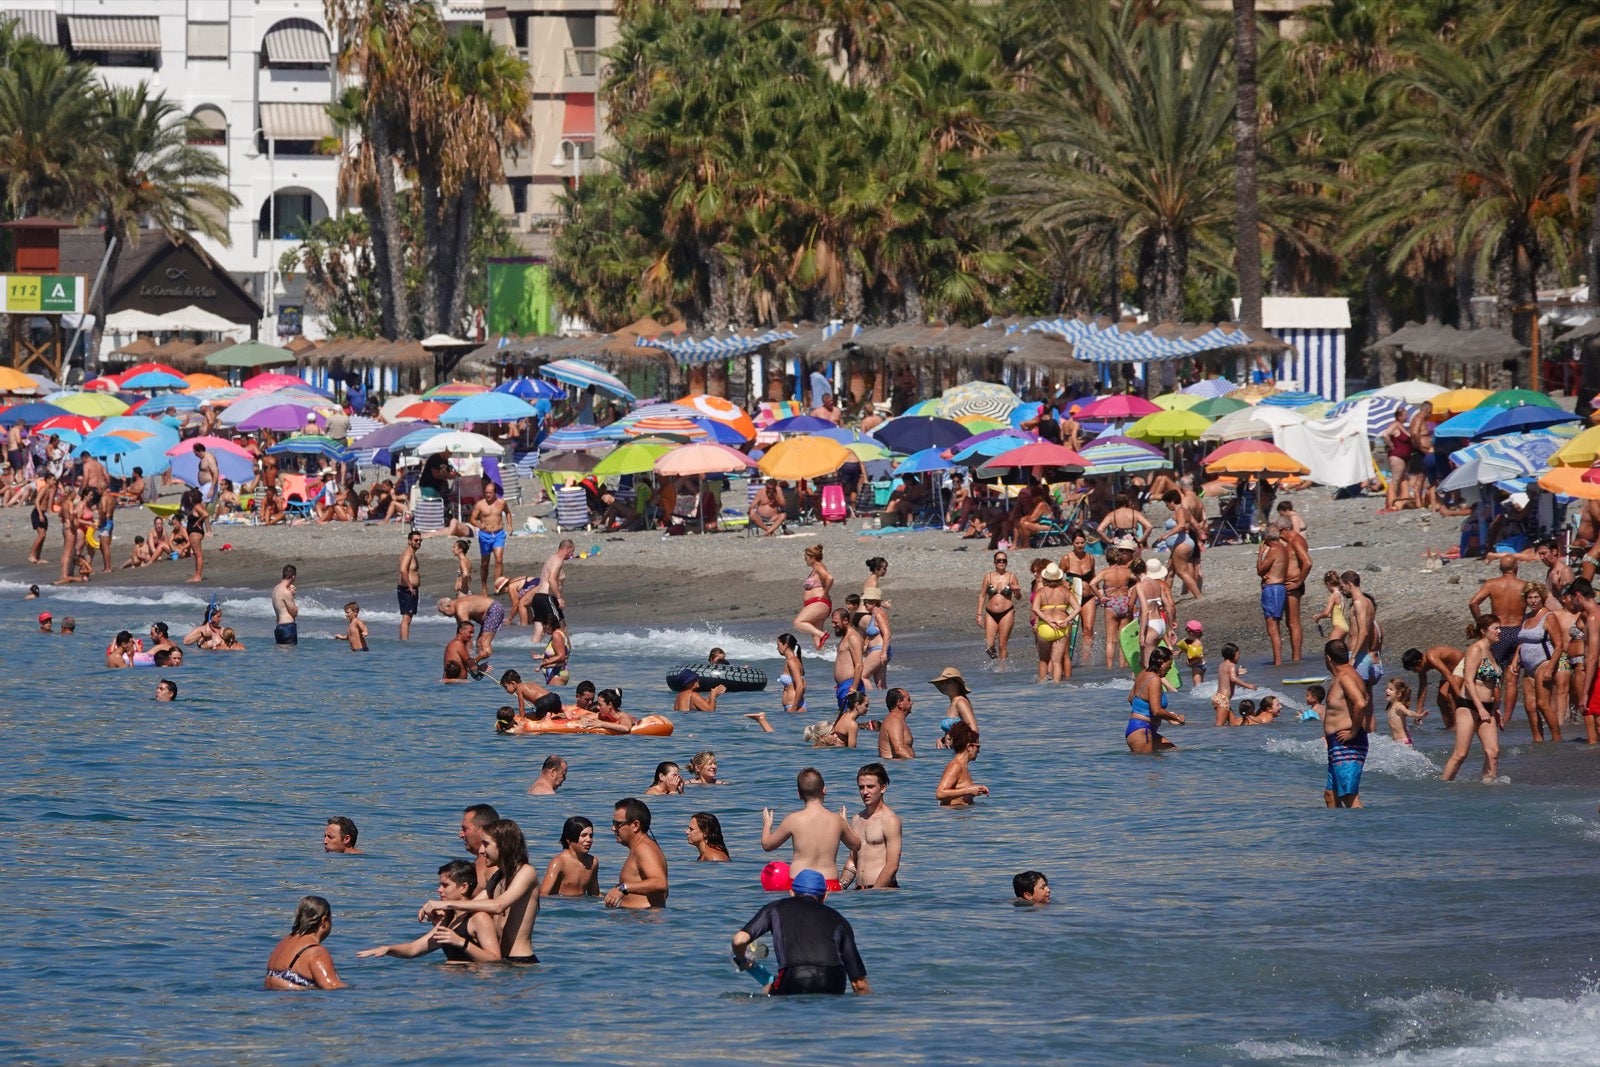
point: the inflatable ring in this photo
(736, 677)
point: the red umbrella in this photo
(1117, 408)
(1037, 454)
(1234, 447)
(103, 384)
(146, 368)
(78, 424)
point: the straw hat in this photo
(950, 674)
(872, 596)
(1126, 544)
(1052, 573)
(1154, 568)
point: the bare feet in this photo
(761, 720)
(196, 578)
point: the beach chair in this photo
(572, 508)
(1235, 519)
(833, 505)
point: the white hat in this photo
(1126, 544)
(1518, 500)
(1154, 568)
(1052, 573)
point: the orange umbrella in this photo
(721, 410)
(427, 410)
(1263, 459)
(204, 381)
(664, 424)
(1571, 481)
(799, 458)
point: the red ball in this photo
(775, 877)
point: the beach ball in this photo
(775, 877)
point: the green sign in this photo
(44, 294)
(520, 301)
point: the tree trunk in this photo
(384, 227)
(1247, 211)
(433, 231)
(1466, 282)
(715, 312)
(739, 288)
(855, 301)
(466, 210)
(1114, 274)
(1162, 268)
(1592, 260)
(911, 297)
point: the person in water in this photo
(513, 892)
(690, 698)
(573, 872)
(814, 945)
(299, 961)
(876, 863)
(1148, 706)
(1032, 889)
(956, 788)
(551, 775)
(355, 634)
(643, 879)
(815, 831)
(340, 835)
(705, 834)
(464, 937)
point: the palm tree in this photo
(142, 171)
(1246, 137)
(47, 104)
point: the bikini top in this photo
(812, 581)
(288, 974)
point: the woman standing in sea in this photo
(1477, 715)
(997, 605)
(816, 600)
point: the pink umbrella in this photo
(213, 444)
(1038, 454)
(273, 380)
(702, 458)
(1117, 408)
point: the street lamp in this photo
(272, 212)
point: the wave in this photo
(183, 603)
(1384, 756)
(1443, 1028)
(690, 642)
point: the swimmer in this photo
(875, 863)
(487, 612)
(850, 659)
(551, 776)
(168, 657)
(459, 663)
(473, 820)
(956, 788)
(284, 607)
(705, 834)
(1032, 889)
(299, 961)
(166, 690)
(1345, 726)
(1147, 702)
(340, 836)
(643, 882)
(894, 736)
(553, 662)
(703, 769)
(668, 780)
(815, 831)
(573, 872)
(805, 932)
(458, 549)
(69, 626)
(689, 697)
(355, 634)
(1397, 698)
(1316, 701)
(464, 937)
(120, 654)
(513, 892)
(953, 688)
(46, 623)
(793, 678)
(1229, 676)
(545, 704)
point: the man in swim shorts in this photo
(1365, 640)
(876, 864)
(287, 632)
(340, 835)
(894, 736)
(549, 606)
(487, 612)
(1272, 565)
(491, 516)
(1346, 722)
(815, 831)
(814, 946)
(410, 583)
(1504, 594)
(850, 660)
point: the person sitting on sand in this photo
(689, 697)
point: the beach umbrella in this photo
(101, 384)
(569, 463)
(1170, 426)
(1038, 454)
(1210, 388)
(1258, 457)
(31, 413)
(1122, 455)
(14, 381)
(137, 428)
(575, 438)
(201, 380)
(97, 405)
(670, 425)
(390, 434)
(1290, 398)
(1119, 407)
(157, 405)
(868, 451)
(233, 462)
(1015, 436)
(122, 377)
(454, 391)
(249, 355)
(121, 456)
(1582, 451)
(1025, 412)
(1524, 417)
(984, 447)
(1455, 401)
(980, 423)
(720, 409)
(420, 432)
(487, 407)
(1510, 398)
(531, 389)
(1177, 401)
(989, 400)
(274, 380)
(631, 458)
(252, 401)
(154, 379)
(912, 433)
(798, 458)
(705, 457)
(800, 424)
(928, 459)
(1570, 481)
(1217, 406)
(219, 397)
(1377, 412)
(390, 409)
(1251, 422)
(428, 410)
(1410, 393)
(78, 424)
(585, 375)
(283, 417)
(462, 444)
(845, 435)
(312, 444)
(722, 433)
(932, 408)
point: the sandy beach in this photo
(731, 578)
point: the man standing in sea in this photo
(1272, 565)
(287, 632)
(409, 587)
(1346, 722)
(549, 605)
(1365, 641)
(1504, 594)
(877, 861)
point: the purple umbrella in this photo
(384, 436)
(800, 424)
(282, 417)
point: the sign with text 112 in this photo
(44, 294)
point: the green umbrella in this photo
(1510, 398)
(631, 458)
(1218, 406)
(250, 354)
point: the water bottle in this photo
(759, 972)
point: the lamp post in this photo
(272, 213)
(560, 160)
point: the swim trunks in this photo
(493, 617)
(548, 704)
(1370, 667)
(842, 691)
(1274, 598)
(488, 542)
(407, 597)
(286, 633)
(1345, 763)
(1505, 646)
(546, 611)
(807, 978)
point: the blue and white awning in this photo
(1116, 344)
(711, 349)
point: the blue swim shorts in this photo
(488, 542)
(286, 633)
(842, 691)
(1274, 598)
(1370, 668)
(1345, 763)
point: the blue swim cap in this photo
(810, 883)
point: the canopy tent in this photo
(712, 349)
(250, 355)
(1336, 451)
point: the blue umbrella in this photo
(488, 407)
(1291, 399)
(844, 435)
(1466, 424)
(586, 375)
(912, 433)
(384, 436)
(531, 389)
(121, 455)
(312, 444)
(35, 412)
(1523, 417)
(575, 439)
(721, 432)
(800, 424)
(147, 432)
(175, 401)
(238, 469)
(154, 379)
(975, 453)
(415, 438)
(928, 459)
(1025, 412)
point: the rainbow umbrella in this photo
(670, 425)
(454, 391)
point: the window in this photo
(208, 40)
(209, 126)
(519, 32)
(519, 194)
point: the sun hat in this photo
(875, 595)
(687, 678)
(809, 883)
(1154, 568)
(1052, 573)
(1126, 544)
(950, 674)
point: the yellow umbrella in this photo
(798, 458)
(1569, 481)
(1176, 425)
(14, 381)
(867, 450)
(980, 423)
(1582, 451)
(1177, 401)
(1253, 394)
(1257, 462)
(94, 405)
(1458, 400)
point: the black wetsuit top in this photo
(814, 945)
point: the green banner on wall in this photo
(520, 301)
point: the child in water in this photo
(1398, 695)
(1315, 696)
(1192, 650)
(464, 576)
(1230, 674)
(355, 633)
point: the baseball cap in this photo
(45, 616)
(1194, 626)
(809, 883)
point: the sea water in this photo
(1207, 908)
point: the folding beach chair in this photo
(572, 508)
(1233, 523)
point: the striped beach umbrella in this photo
(454, 391)
(575, 438)
(669, 425)
(1410, 393)
(988, 400)
(1290, 398)
(1122, 455)
(1210, 388)
(1377, 412)
(720, 409)
(582, 374)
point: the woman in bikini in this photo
(573, 872)
(816, 603)
(1569, 667)
(513, 892)
(846, 728)
(877, 570)
(879, 638)
(1153, 601)
(1112, 587)
(1479, 679)
(1052, 609)
(1125, 520)
(1333, 610)
(195, 519)
(997, 605)
(1080, 566)
(299, 961)
(793, 678)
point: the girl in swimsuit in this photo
(1052, 610)
(1479, 678)
(816, 604)
(1080, 566)
(1111, 588)
(793, 678)
(1153, 599)
(997, 598)
(1148, 707)
(195, 519)
(299, 961)
(1333, 610)
(465, 938)
(1569, 667)
(877, 570)
(1537, 641)
(879, 638)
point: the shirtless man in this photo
(473, 820)
(120, 654)
(1346, 722)
(876, 864)
(894, 735)
(1444, 659)
(642, 882)
(287, 632)
(1295, 582)
(1504, 594)
(551, 775)
(492, 516)
(1272, 566)
(15, 456)
(1588, 536)
(849, 660)
(410, 583)
(828, 409)
(1365, 641)
(550, 603)
(487, 611)
(767, 510)
(94, 475)
(815, 831)
(1558, 575)
(206, 475)
(459, 663)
